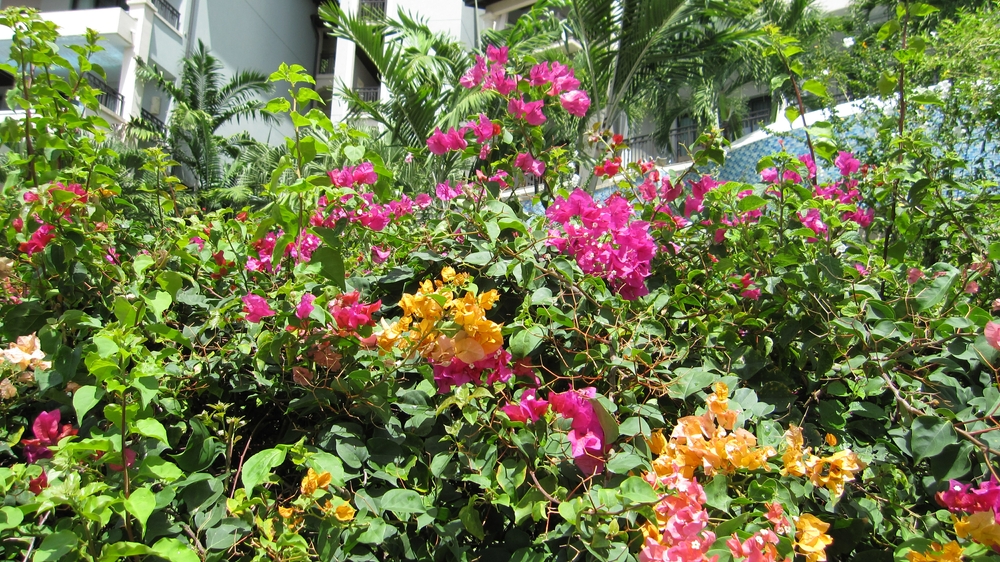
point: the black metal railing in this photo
(368, 93)
(153, 121)
(168, 13)
(641, 147)
(684, 137)
(755, 120)
(372, 9)
(123, 4)
(106, 95)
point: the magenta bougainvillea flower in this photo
(528, 408)
(586, 437)
(440, 143)
(47, 432)
(350, 313)
(530, 111)
(529, 164)
(256, 308)
(992, 333)
(575, 102)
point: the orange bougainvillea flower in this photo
(827, 472)
(313, 481)
(811, 539)
(950, 552)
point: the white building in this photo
(242, 34)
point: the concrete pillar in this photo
(143, 12)
(343, 67)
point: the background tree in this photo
(203, 101)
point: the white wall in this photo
(257, 35)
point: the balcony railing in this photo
(153, 121)
(641, 147)
(168, 13)
(684, 137)
(755, 120)
(372, 9)
(106, 95)
(368, 93)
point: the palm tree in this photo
(624, 44)
(202, 103)
(420, 69)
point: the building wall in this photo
(258, 35)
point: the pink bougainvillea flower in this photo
(256, 308)
(198, 241)
(587, 435)
(810, 164)
(39, 239)
(111, 256)
(575, 102)
(769, 175)
(446, 192)
(440, 143)
(380, 254)
(422, 201)
(350, 313)
(861, 269)
(497, 54)
(992, 333)
(960, 497)
(529, 164)
(863, 218)
(913, 275)
(47, 432)
(129, 456)
(813, 221)
(847, 163)
(484, 129)
(474, 76)
(305, 306)
(530, 111)
(529, 408)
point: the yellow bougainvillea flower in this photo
(831, 472)
(657, 442)
(811, 539)
(792, 458)
(344, 512)
(831, 439)
(981, 526)
(313, 481)
(951, 552)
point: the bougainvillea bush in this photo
(686, 370)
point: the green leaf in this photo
(278, 105)
(472, 521)
(141, 263)
(930, 435)
(751, 203)
(717, 492)
(815, 87)
(636, 489)
(258, 468)
(152, 428)
(887, 84)
(159, 303)
(792, 113)
(689, 381)
(55, 546)
(525, 340)
(331, 265)
(939, 287)
(141, 504)
(326, 462)
(354, 153)
(123, 549)
(85, 398)
(511, 474)
(10, 517)
(402, 501)
(888, 29)
(478, 258)
(175, 550)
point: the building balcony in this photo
(369, 93)
(372, 9)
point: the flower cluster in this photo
(350, 313)
(301, 250)
(828, 472)
(25, 352)
(811, 539)
(951, 552)
(314, 488)
(48, 432)
(709, 441)
(975, 511)
(604, 240)
(586, 437)
(680, 532)
(452, 333)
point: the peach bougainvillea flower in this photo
(830, 472)
(811, 539)
(313, 481)
(26, 352)
(992, 333)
